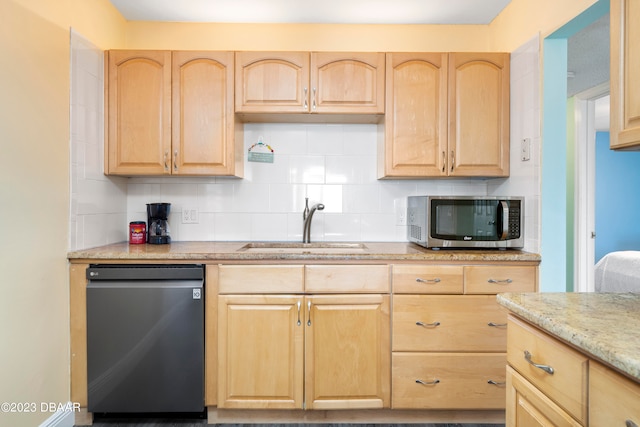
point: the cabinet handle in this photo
(548, 369)
(499, 281)
(175, 160)
(496, 383)
(166, 156)
(497, 325)
(434, 382)
(309, 313)
(444, 161)
(436, 280)
(306, 102)
(426, 325)
(314, 98)
(299, 322)
(629, 423)
(453, 159)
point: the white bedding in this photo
(618, 272)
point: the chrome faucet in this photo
(307, 215)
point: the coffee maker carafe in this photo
(157, 223)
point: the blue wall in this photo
(556, 269)
(617, 198)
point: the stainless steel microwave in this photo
(466, 222)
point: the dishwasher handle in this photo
(98, 272)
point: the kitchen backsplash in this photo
(334, 164)
(330, 164)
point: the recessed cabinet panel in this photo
(347, 82)
(478, 114)
(347, 352)
(528, 406)
(272, 82)
(261, 352)
(416, 115)
(139, 112)
(203, 113)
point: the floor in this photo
(156, 422)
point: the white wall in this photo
(524, 179)
(98, 208)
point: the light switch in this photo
(525, 151)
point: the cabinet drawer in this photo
(613, 399)
(448, 381)
(347, 279)
(428, 279)
(448, 323)
(255, 279)
(491, 279)
(528, 406)
(567, 385)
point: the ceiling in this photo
(314, 11)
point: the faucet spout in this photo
(307, 215)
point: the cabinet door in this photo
(625, 68)
(347, 354)
(272, 82)
(139, 113)
(613, 399)
(203, 119)
(529, 407)
(478, 114)
(415, 139)
(260, 345)
(347, 82)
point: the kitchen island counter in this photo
(233, 251)
(602, 325)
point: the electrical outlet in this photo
(190, 215)
(401, 211)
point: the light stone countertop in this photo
(605, 326)
(233, 251)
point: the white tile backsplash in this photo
(333, 164)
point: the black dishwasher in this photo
(145, 338)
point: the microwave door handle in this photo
(504, 213)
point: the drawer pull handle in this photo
(500, 281)
(548, 369)
(426, 325)
(436, 280)
(629, 423)
(496, 383)
(434, 382)
(497, 325)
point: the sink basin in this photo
(304, 248)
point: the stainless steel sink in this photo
(303, 248)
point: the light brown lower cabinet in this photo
(529, 407)
(448, 380)
(550, 383)
(299, 351)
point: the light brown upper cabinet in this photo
(316, 82)
(446, 115)
(625, 69)
(171, 113)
